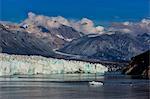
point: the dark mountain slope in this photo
(111, 47)
(139, 65)
(18, 42)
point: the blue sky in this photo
(97, 10)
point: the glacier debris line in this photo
(21, 64)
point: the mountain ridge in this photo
(117, 46)
(62, 41)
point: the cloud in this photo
(134, 28)
(84, 25)
(87, 26)
(48, 22)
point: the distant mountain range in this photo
(112, 47)
(66, 42)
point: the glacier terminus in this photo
(31, 65)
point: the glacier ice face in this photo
(17, 64)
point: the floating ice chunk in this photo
(93, 83)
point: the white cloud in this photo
(100, 28)
(126, 23)
(84, 25)
(48, 22)
(87, 26)
(132, 27)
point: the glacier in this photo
(31, 65)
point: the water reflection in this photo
(73, 86)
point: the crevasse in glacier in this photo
(19, 64)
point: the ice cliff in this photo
(19, 64)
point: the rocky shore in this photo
(139, 66)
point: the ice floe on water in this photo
(20, 64)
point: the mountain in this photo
(139, 65)
(58, 37)
(111, 47)
(21, 42)
(34, 40)
(50, 38)
(145, 38)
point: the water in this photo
(73, 86)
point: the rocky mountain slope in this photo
(21, 42)
(34, 40)
(139, 65)
(112, 47)
(79, 40)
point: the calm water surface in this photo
(73, 86)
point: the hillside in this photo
(111, 47)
